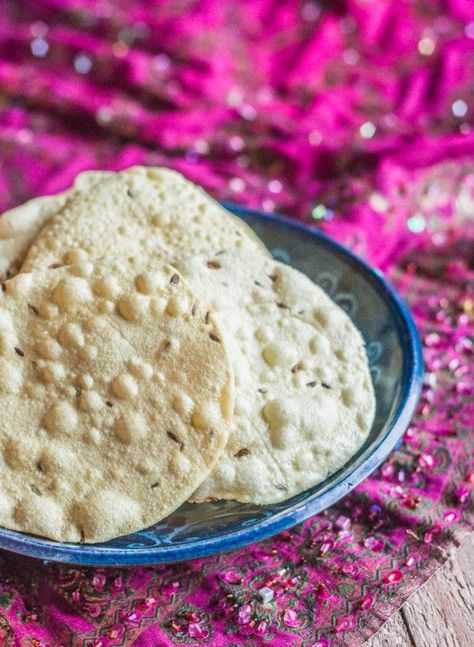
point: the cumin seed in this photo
(242, 452)
(33, 309)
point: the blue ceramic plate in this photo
(394, 353)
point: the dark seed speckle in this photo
(242, 452)
(171, 435)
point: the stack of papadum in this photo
(151, 352)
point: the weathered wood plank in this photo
(440, 613)
(465, 559)
(393, 633)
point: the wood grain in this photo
(441, 613)
(394, 633)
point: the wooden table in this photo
(441, 613)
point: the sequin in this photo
(426, 46)
(367, 130)
(275, 186)
(392, 577)
(469, 30)
(416, 223)
(268, 205)
(248, 112)
(265, 594)
(351, 56)
(236, 185)
(321, 212)
(201, 146)
(378, 202)
(310, 11)
(462, 494)
(234, 97)
(290, 618)
(82, 64)
(103, 116)
(459, 108)
(39, 47)
(343, 523)
(236, 143)
(315, 138)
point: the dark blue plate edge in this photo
(411, 390)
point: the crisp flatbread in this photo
(20, 226)
(304, 396)
(138, 212)
(116, 395)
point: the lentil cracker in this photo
(116, 394)
(139, 212)
(304, 396)
(20, 226)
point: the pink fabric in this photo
(352, 115)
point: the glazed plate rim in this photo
(343, 481)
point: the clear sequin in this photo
(416, 223)
(39, 47)
(82, 64)
(459, 108)
(367, 130)
(426, 46)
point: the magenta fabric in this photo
(354, 116)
